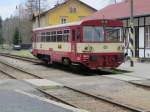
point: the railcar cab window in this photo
(114, 34)
(93, 34)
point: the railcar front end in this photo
(101, 45)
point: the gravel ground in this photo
(98, 85)
(4, 77)
(15, 73)
(84, 102)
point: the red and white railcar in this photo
(92, 43)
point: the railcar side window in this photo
(43, 37)
(59, 36)
(38, 37)
(48, 36)
(66, 35)
(34, 37)
(53, 36)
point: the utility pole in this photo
(132, 33)
(39, 23)
(132, 11)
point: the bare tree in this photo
(36, 6)
(1, 36)
(21, 21)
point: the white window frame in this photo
(73, 9)
(63, 19)
(147, 38)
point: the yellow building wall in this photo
(63, 11)
(53, 17)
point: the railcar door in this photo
(75, 39)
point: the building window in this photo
(147, 37)
(63, 20)
(72, 9)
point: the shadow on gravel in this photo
(83, 70)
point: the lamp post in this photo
(19, 40)
(39, 23)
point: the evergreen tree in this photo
(1, 22)
(1, 36)
(16, 37)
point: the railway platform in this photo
(15, 99)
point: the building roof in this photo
(122, 10)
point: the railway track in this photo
(34, 60)
(97, 99)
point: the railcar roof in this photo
(56, 26)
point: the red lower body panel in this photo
(90, 60)
(101, 60)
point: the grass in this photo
(48, 88)
(23, 53)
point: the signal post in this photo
(132, 34)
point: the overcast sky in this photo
(8, 7)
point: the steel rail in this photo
(105, 99)
(140, 85)
(7, 74)
(21, 70)
(20, 57)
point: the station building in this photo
(68, 11)
(121, 11)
